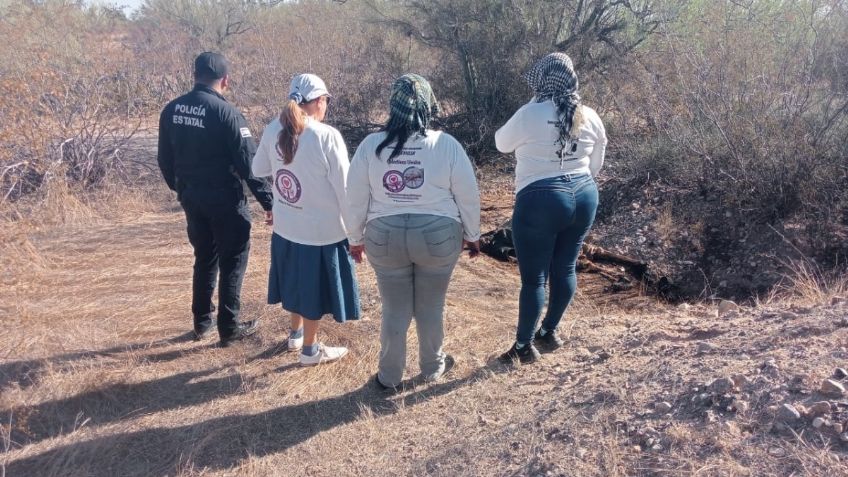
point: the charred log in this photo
(623, 272)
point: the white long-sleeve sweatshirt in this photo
(309, 192)
(432, 175)
(532, 134)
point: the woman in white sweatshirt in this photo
(559, 147)
(414, 200)
(311, 271)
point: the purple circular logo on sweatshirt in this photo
(393, 181)
(288, 186)
(413, 177)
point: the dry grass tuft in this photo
(808, 284)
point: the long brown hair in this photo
(293, 120)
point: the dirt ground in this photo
(99, 375)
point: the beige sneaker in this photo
(325, 354)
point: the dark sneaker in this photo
(244, 330)
(526, 354)
(383, 387)
(549, 342)
(202, 335)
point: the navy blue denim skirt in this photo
(313, 280)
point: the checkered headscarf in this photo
(553, 78)
(412, 104)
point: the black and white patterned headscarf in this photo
(553, 78)
(412, 104)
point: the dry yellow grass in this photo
(99, 376)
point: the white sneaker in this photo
(295, 344)
(325, 354)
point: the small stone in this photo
(725, 307)
(843, 437)
(663, 407)
(830, 387)
(770, 367)
(704, 347)
(819, 408)
(722, 385)
(781, 427)
(739, 405)
(581, 452)
(776, 452)
(819, 422)
(711, 417)
(840, 373)
(837, 427)
(788, 413)
(740, 380)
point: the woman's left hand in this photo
(356, 252)
(269, 217)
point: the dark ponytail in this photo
(398, 135)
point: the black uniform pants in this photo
(220, 235)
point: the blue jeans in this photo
(550, 221)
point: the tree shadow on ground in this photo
(120, 401)
(25, 372)
(224, 442)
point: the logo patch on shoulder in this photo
(245, 132)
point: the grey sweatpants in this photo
(413, 256)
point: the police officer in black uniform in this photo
(205, 150)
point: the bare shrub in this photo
(71, 117)
(757, 114)
(357, 61)
(489, 44)
(745, 105)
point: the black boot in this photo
(549, 342)
(526, 354)
(244, 330)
